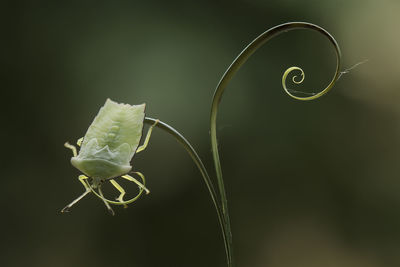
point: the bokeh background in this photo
(308, 184)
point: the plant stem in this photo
(195, 157)
(228, 75)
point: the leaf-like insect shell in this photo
(111, 141)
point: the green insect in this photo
(107, 149)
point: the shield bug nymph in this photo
(107, 149)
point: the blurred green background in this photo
(308, 184)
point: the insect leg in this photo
(81, 179)
(121, 190)
(105, 201)
(119, 202)
(146, 140)
(130, 178)
(73, 148)
(79, 142)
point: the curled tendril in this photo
(228, 75)
(288, 71)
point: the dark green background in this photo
(308, 183)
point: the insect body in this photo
(107, 149)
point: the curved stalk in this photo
(228, 75)
(195, 157)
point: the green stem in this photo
(195, 157)
(228, 75)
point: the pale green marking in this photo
(114, 128)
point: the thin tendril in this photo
(228, 75)
(195, 157)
